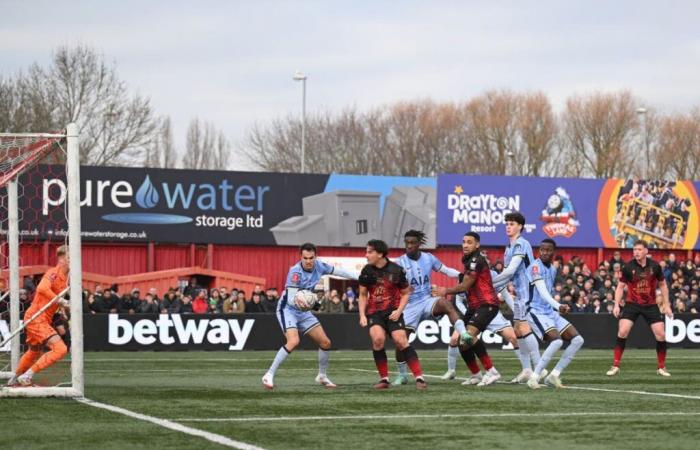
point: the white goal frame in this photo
(77, 387)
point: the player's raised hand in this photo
(363, 321)
(668, 312)
(438, 291)
(616, 311)
(564, 309)
(395, 314)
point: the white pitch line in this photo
(216, 438)
(581, 388)
(438, 416)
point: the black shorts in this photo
(381, 318)
(651, 313)
(482, 316)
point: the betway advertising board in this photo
(574, 212)
(177, 332)
(224, 207)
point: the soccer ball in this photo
(305, 300)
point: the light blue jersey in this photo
(539, 271)
(521, 282)
(418, 273)
(298, 279)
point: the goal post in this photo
(21, 153)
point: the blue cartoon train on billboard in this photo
(559, 215)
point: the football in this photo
(305, 300)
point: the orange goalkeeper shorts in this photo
(38, 332)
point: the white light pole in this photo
(299, 76)
(642, 114)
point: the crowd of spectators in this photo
(584, 289)
(592, 290)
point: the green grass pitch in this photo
(221, 393)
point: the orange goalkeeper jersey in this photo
(52, 283)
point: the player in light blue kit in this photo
(419, 266)
(545, 320)
(305, 274)
(518, 259)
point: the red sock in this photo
(470, 359)
(619, 350)
(661, 354)
(483, 355)
(381, 362)
(412, 360)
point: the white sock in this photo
(29, 373)
(452, 353)
(459, 326)
(281, 355)
(523, 354)
(533, 347)
(322, 361)
(574, 346)
(549, 352)
(403, 371)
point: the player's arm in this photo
(340, 272)
(502, 279)
(666, 304)
(405, 294)
(541, 287)
(449, 271)
(362, 305)
(619, 292)
(505, 295)
(464, 286)
(44, 288)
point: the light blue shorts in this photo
(290, 317)
(418, 311)
(541, 323)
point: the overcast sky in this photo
(232, 62)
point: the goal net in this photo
(33, 168)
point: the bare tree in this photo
(205, 147)
(597, 133)
(536, 128)
(79, 86)
(678, 154)
(162, 152)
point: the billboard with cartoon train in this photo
(574, 212)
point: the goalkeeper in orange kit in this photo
(40, 332)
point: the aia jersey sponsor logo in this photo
(296, 277)
(559, 216)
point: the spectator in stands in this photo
(616, 259)
(270, 300)
(192, 287)
(200, 304)
(224, 295)
(334, 305)
(215, 303)
(232, 305)
(597, 307)
(107, 303)
(580, 305)
(693, 305)
(350, 303)
(498, 267)
(29, 284)
(254, 305)
(130, 304)
(350, 293)
(149, 305)
(166, 302)
(240, 302)
(25, 300)
(154, 295)
(90, 306)
(185, 306)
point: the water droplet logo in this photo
(147, 196)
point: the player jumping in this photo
(303, 275)
(518, 258)
(419, 266)
(40, 333)
(483, 305)
(545, 320)
(642, 276)
(384, 292)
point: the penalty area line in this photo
(216, 438)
